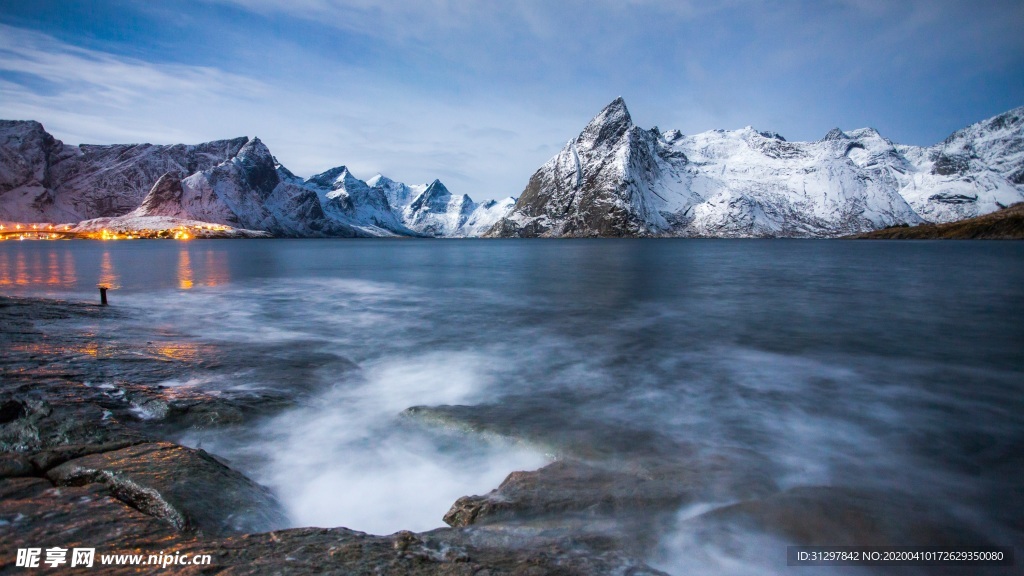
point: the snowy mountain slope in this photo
(975, 171)
(435, 211)
(44, 180)
(348, 199)
(432, 210)
(250, 191)
(399, 195)
(236, 183)
(616, 179)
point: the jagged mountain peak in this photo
(436, 187)
(435, 194)
(379, 180)
(609, 125)
(256, 152)
(21, 126)
(835, 134)
(334, 178)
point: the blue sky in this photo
(480, 94)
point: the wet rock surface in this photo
(612, 485)
(35, 513)
(440, 552)
(187, 488)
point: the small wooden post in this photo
(103, 295)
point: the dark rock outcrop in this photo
(185, 487)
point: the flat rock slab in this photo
(187, 488)
(567, 486)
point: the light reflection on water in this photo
(184, 270)
(108, 277)
(53, 267)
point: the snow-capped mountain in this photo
(346, 198)
(236, 182)
(44, 180)
(435, 211)
(616, 179)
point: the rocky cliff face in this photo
(616, 179)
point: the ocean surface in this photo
(890, 366)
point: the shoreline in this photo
(77, 471)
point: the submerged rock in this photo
(834, 516)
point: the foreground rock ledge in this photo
(34, 513)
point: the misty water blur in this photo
(893, 366)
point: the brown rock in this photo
(187, 488)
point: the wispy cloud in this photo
(90, 96)
(94, 95)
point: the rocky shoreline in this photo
(86, 464)
(86, 461)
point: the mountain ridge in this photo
(616, 179)
(236, 182)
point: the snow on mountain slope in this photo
(44, 180)
(399, 195)
(437, 212)
(616, 179)
(236, 183)
(349, 199)
(975, 171)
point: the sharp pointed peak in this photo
(379, 179)
(615, 111)
(611, 123)
(327, 178)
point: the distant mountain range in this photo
(236, 182)
(613, 180)
(616, 179)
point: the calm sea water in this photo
(890, 365)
